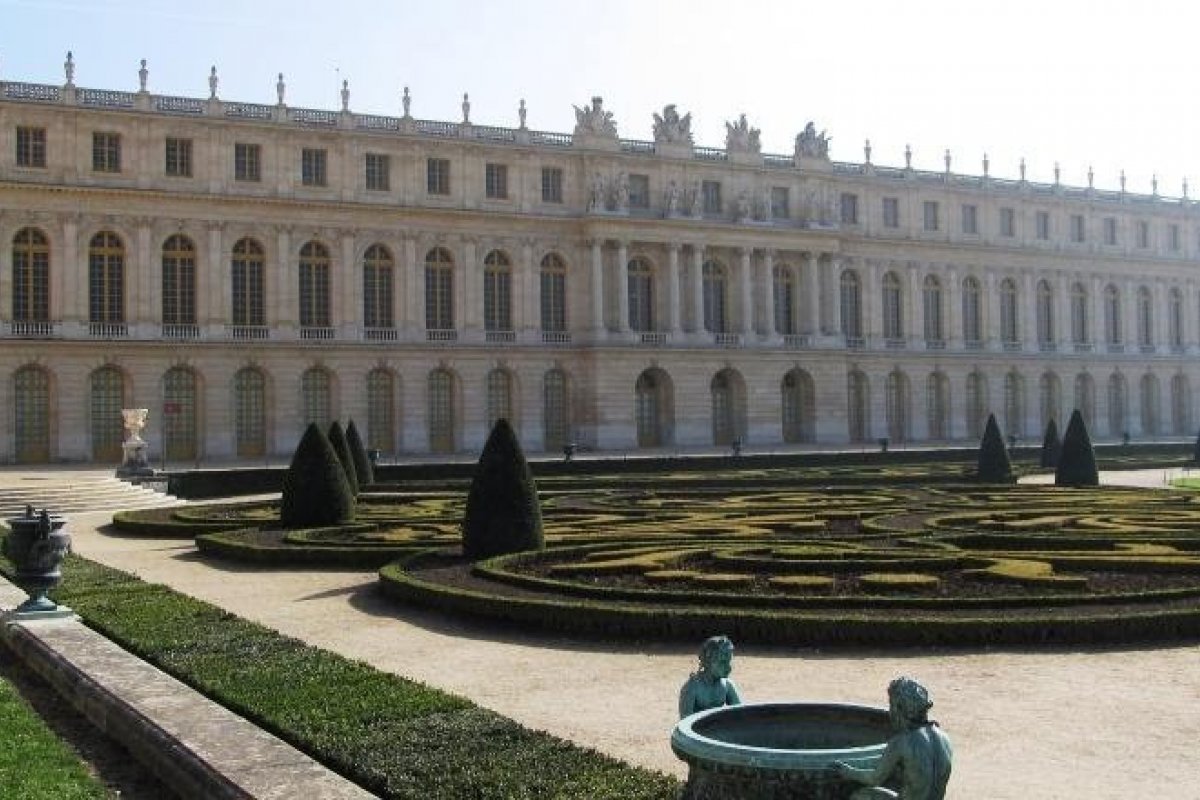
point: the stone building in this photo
(241, 269)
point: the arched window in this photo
(654, 409)
(1112, 315)
(554, 294)
(314, 286)
(858, 407)
(106, 280)
(556, 410)
(179, 414)
(851, 305)
(1085, 398)
(785, 299)
(1045, 314)
(799, 411)
(31, 407)
(977, 404)
(443, 412)
(1145, 318)
(381, 410)
(178, 282)
(728, 407)
(972, 320)
(1176, 318)
(1118, 405)
(935, 334)
(316, 393)
(898, 405)
(714, 297)
(378, 290)
(1181, 405)
(106, 396)
(937, 406)
(500, 398)
(497, 293)
(439, 293)
(1080, 333)
(893, 316)
(1050, 400)
(1009, 319)
(250, 413)
(641, 296)
(30, 276)
(1151, 397)
(1014, 404)
(249, 299)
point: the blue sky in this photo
(1103, 83)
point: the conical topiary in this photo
(337, 438)
(994, 465)
(1077, 464)
(1051, 446)
(503, 513)
(315, 489)
(362, 465)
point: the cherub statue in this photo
(710, 686)
(919, 751)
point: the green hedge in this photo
(257, 546)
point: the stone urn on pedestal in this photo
(137, 460)
(37, 544)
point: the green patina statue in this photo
(710, 686)
(919, 751)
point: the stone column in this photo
(1062, 322)
(597, 287)
(1130, 334)
(768, 307)
(623, 286)
(215, 312)
(469, 314)
(1096, 323)
(1162, 312)
(1189, 316)
(74, 297)
(806, 308)
(1027, 322)
(989, 312)
(144, 304)
(414, 289)
(913, 327)
(346, 283)
(528, 294)
(954, 332)
(283, 281)
(747, 322)
(828, 274)
(673, 290)
(872, 307)
(698, 290)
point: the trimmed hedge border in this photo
(248, 545)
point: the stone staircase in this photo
(67, 492)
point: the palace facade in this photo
(241, 269)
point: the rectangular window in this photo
(970, 219)
(379, 172)
(1077, 229)
(312, 166)
(1143, 234)
(931, 215)
(1008, 222)
(780, 203)
(552, 185)
(712, 196)
(247, 162)
(891, 212)
(31, 147)
(1173, 237)
(849, 208)
(179, 157)
(437, 176)
(496, 181)
(106, 152)
(1043, 225)
(639, 191)
(1110, 230)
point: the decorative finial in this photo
(280, 87)
(1091, 177)
(69, 68)
(1122, 180)
(908, 156)
(987, 166)
(521, 113)
(867, 151)
(1057, 174)
(1154, 185)
(466, 107)
(1022, 168)
(212, 83)
(947, 159)
(345, 95)
(407, 101)
(143, 76)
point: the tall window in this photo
(1173, 237)
(972, 321)
(1042, 225)
(799, 407)
(1145, 317)
(851, 304)
(554, 294)
(849, 208)
(1110, 230)
(106, 152)
(639, 191)
(249, 306)
(1050, 396)
(727, 406)
(497, 292)
(180, 439)
(312, 167)
(106, 278)
(711, 192)
(1085, 398)
(1080, 333)
(653, 408)
(784, 296)
(556, 410)
(931, 295)
(179, 281)
(780, 202)
(898, 403)
(641, 295)
(1118, 405)
(937, 406)
(378, 282)
(381, 410)
(314, 286)
(442, 412)
(891, 212)
(378, 172)
(247, 162)
(1112, 315)
(178, 157)
(1045, 313)
(552, 185)
(250, 412)
(31, 147)
(31, 413)
(1008, 222)
(1175, 318)
(858, 407)
(1143, 234)
(106, 395)
(932, 221)
(976, 404)
(714, 297)
(495, 181)
(439, 291)
(1078, 232)
(1008, 311)
(893, 316)
(1150, 405)
(316, 396)
(1014, 404)
(1181, 405)
(30, 276)
(970, 219)
(437, 176)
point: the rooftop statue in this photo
(919, 752)
(710, 686)
(740, 137)
(670, 128)
(811, 144)
(594, 121)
